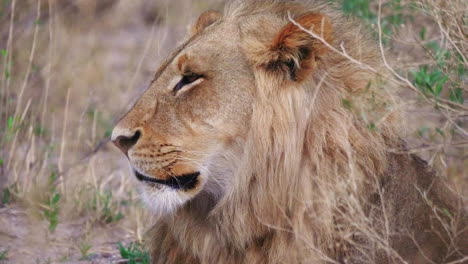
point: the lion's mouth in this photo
(184, 181)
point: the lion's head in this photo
(246, 88)
(184, 131)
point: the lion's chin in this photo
(163, 200)
(165, 197)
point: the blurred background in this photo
(69, 69)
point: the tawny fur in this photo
(314, 175)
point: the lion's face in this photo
(179, 130)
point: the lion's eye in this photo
(186, 79)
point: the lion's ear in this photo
(206, 18)
(297, 51)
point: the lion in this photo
(256, 142)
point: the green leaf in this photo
(6, 198)
(4, 52)
(53, 224)
(52, 177)
(123, 251)
(55, 198)
(10, 123)
(440, 132)
(108, 133)
(4, 255)
(422, 33)
(134, 253)
(433, 45)
(118, 217)
(39, 131)
(422, 131)
(346, 104)
(438, 89)
(461, 70)
(456, 96)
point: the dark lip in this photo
(184, 181)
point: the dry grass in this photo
(69, 69)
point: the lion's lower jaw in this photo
(164, 201)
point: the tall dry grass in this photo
(71, 68)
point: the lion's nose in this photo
(126, 142)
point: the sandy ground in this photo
(29, 240)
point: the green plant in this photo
(11, 128)
(6, 196)
(84, 248)
(431, 79)
(456, 95)
(392, 14)
(4, 254)
(346, 103)
(7, 66)
(10, 123)
(363, 9)
(134, 253)
(359, 8)
(51, 207)
(39, 130)
(107, 207)
(428, 81)
(9, 193)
